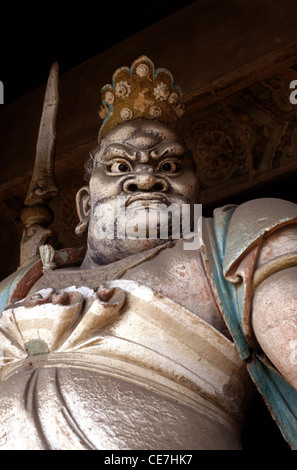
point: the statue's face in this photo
(146, 164)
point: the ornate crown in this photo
(140, 91)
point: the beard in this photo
(142, 218)
(124, 226)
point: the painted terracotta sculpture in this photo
(149, 343)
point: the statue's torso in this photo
(173, 272)
(153, 365)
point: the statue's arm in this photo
(274, 301)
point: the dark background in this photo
(34, 35)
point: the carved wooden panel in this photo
(246, 139)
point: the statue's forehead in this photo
(141, 134)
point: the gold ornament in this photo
(140, 91)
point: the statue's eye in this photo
(123, 167)
(170, 167)
(166, 166)
(120, 167)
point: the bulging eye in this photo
(170, 166)
(120, 167)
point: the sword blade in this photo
(43, 185)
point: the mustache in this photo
(148, 197)
(166, 199)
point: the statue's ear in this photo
(83, 208)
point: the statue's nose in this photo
(145, 182)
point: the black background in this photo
(34, 35)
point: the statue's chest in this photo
(173, 272)
(180, 276)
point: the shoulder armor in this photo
(251, 221)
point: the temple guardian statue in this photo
(146, 343)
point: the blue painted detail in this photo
(225, 290)
(126, 69)
(6, 289)
(157, 71)
(280, 397)
(8, 285)
(106, 87)
(35, 347)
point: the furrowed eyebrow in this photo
(168, 150)
(118, 150)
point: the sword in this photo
(43, 186)
(36, 217)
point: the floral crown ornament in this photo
(140, 91)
